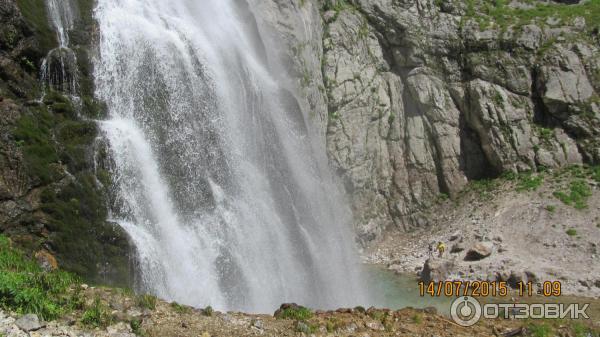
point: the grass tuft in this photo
(579, 192)
(182, 309)
(146, 301)
(26, 288)
(539, 330)
(571, 232)
(98, 315)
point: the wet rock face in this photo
(420, 100)
(52, 195)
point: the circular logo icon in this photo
(465, 311)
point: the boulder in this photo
(29, 322)
(479, 251)
(436, 269)
(457, 247)
(285, 306)
(376, 326)
(46, 261)
(563, 82)
(455, 236)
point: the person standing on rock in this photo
(430, 249)
(441, 247)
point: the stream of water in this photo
(218, 182)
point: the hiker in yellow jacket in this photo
(441, 248)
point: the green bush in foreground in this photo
(26, 288)
(208, 311)
(296, 313)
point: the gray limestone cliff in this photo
(415, 98)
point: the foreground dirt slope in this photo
(110, 312)
(113, 313)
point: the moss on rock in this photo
(34, 13)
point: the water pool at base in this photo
(394, 291)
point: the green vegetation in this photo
(337, 5)
(363, 30)
(378, 315)
(596, 173)
(575, 194)
(146, 301)
(485, 186)
(54, 140)
(579, 192)
(136, 327)
(546, 134)
(334, 115)
(417, 319)
(98, 315)
(571, 232)
(50, 135)
(182, 309)
(391, 118)
(442, 197)
(539, 330)
(581, 330)
(34, 12)
(299, 313)
(33, 135)
(529, 182)
(306, 328)
(208, 311)
(498, 99)
(360, 309)
(26, 288)
(332, 324)
(499, 13)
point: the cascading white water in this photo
(60, 13)
(59, 67)
(216, 178)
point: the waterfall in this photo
(216, 178)
(59, 68)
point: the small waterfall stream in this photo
(59, 68)
(217, 180)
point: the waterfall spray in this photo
(217, 184)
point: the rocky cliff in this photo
(53, 187)
(416, 98)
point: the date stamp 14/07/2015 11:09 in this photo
(489, 289)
